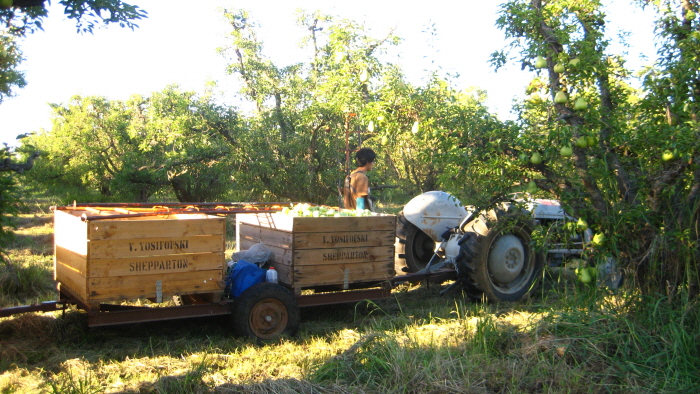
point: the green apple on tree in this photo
(385, 140)
(532, 187)
(560, 97)
(523, 157)
(582, 224)
(540, 62)
(598, 239)
(370, 126)
(416, 127)
(536, 158)
(591, 141)
(566, 151)
(667, 155)
(574, 62)
(690, 15)
(580, 104)
(364, 75)
(581, 142)
(559, 68)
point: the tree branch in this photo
(7, 165)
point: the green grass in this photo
(567, 338)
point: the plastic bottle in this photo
(271, 275)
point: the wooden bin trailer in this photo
(107, 254)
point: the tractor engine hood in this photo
(435, 212)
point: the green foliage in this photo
(618, 182)
(171, 141)
(26, 17)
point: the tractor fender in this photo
(435, 212)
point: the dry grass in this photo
(570, 341)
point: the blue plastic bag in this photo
(242, 276)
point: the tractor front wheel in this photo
(500, 257)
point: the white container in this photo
(271, 275)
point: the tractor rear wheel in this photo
(500, 258)
(414, 248)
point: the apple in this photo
(532, 187)
(581, 142)
(385, 140)
(591, 141)
(580, 104)
(540, 62)
(582, 224)
(416, 127)
(536, 158)
(523, 157)
(559, 68)
(667, 155)
(690, 15)
(584, 275)
(574, 62)
(339, 57)
(566, 151)
(370, 126)
(364, 76)
(3, 51)
(380, 118)
(598, 239)
(560, 97)
(593, 271)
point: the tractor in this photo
(491, 249)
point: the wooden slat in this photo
(268, 220)
(278, 256)
(138, 286)
(184, 263)
(344, 239)
(126, 248)
(320, 224)
(175, 226)
(341, 224)
(73, 279)
(71, 259)
(334, 274)
(70, 232)
(342, 255)
(270, 237)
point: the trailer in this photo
(174, 253)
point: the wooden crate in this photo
(318, 251)
(138, 257)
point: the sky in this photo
(177, 44)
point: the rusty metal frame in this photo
(341, 297)
(119, 314)
(101, 211)
(47, 306)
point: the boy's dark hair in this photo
(364, 156)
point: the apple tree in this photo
(304, 115)
(171, 142)
(630, 169)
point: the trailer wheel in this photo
(414, 248)
(500, 258)
(265, 311)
